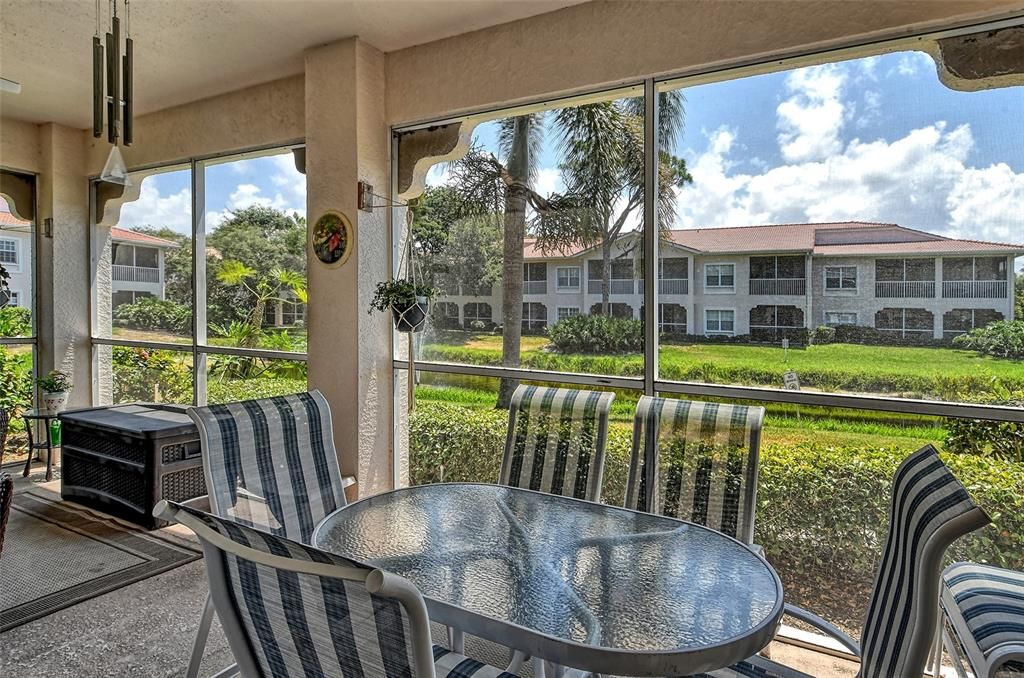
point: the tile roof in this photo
(125, 235)
(829, 238)
(118, 234)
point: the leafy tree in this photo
(260, 288)
(602, 146)
(1019, 297)
(262, 238)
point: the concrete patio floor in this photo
(147, 628)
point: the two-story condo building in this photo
(137, 270)
(764, 280)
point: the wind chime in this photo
(113, 70)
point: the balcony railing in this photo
(778, 286)
(974, 289)
(909, 289)
(138, 274)
(535, 287)
(674, 286)
(621, 286)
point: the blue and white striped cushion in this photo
(991, 602)
(706, 462)
(451, 665)
(925, 497)
(271, 463)
(556, 440)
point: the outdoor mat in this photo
(57, 554)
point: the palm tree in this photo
(264, 288)
(602, 146)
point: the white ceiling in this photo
(191, 49)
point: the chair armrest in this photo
(822, 625)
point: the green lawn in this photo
(943, 373)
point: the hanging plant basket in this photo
(411, 316)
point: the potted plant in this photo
(55, 387)
(408, 300)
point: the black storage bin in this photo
(124, 459)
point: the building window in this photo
(535, 317)
(535, 278)
(841, 278)
(14, 298)
(445, 314)
(963, 320)
(790, 267)
(836, 318)
(672, 319)
(477, 312)
(567, 312)
(719, 321)
(720, 276)
(618, 310)
(568, 277)
(772, 323)
(9, 251)
(905, 321)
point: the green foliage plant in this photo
(399, 293)
(150, 313)
(597, 334)
(150, 376)
(1001, 339)
(15, 380)
(54, 381)
(15, 321)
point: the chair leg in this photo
(199, 645)
(936, 663)
(456, 640)
(516, 664)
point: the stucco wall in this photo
(604, 43)
(19, 145)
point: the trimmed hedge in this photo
(150, 313)
(597, 334)
(821, 511)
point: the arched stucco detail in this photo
(111, 197)
(980, 61)
(421, 149)
(299, 156)
(19, 191)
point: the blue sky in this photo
(875, 139)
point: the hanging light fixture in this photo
(116, 98)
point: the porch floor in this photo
(147, 629)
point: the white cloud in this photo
(548, 181)
(921, 180)
(153, 209)
(911, 63)
(810, 121)
(248, 195)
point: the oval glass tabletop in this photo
(596, 587)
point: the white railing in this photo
(974, 289)
(139, 274)
(909, 289)
(620, 286)
(674, 286)
(673, 328)
(535, 287)
(778, 286)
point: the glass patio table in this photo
(594, 587)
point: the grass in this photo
(942, 373)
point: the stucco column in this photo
(64, 268)
(347, 140)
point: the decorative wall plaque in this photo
(332, 238)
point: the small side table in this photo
(44, 416)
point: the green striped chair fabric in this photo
(702, 460)
(556, 441)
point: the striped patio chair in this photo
(702, 458)
(271, 465)
(929, 510)
(556, 440)
(289, 609)
(983, 608)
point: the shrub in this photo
(997, 439)
(860, 334)
(1002, 339)
(15, 321)
(150, 313)
(597, 334)
(150, 376)
(15, 380)
(823, 334)
(231, 390)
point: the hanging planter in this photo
(409, 303)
